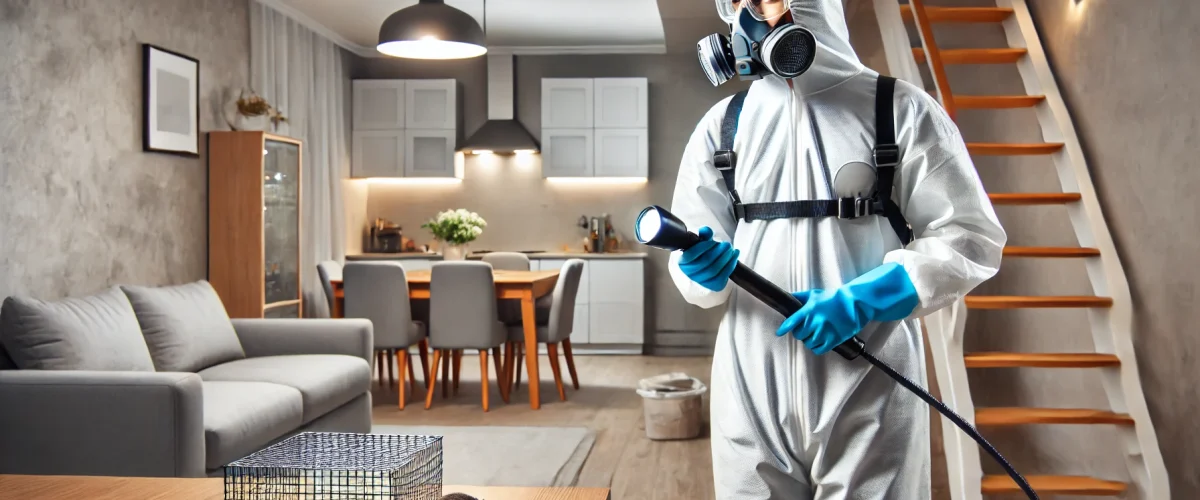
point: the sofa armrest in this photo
(274, 337)
(101, 423)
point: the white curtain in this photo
(307, 78)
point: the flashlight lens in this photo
(648, 225)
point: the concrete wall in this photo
(524, 211)
(81, 206)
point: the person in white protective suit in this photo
(788, 420)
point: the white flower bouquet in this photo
(456, 227)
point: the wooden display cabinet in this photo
(254, 223)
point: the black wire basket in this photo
(338, 466)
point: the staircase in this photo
(1109, 311)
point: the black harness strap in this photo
(886, 156)
(725, 159)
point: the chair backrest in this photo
(508, 261)
(378, 291)
(462, 306)
(562, 310)
(329, 270)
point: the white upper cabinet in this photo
(431, 104)
(567, 103)
(378, 104)
(378, 153)
(595, 127)
(405, 128)
(568, 153)
(622, 152)
(621, 103)
(429, 153)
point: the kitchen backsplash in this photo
(523, 210)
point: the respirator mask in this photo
(754, 49)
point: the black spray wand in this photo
(659, 228)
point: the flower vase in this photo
(454, 252)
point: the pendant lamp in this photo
(431, 30)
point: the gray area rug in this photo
(506, 456)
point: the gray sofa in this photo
(138, 381)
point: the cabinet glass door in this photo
(281, 221)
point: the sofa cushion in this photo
(241, 418)
(326, 381)
(185, 326)
(97, 332)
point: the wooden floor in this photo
(622, 458)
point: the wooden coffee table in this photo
(126, 488)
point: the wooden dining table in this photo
(527, 286)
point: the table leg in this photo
(529, 323)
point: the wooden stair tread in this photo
(974, 56)
(1040, 360)
(960, 14)
(993, 417)
(1033, 198)
(997, 101)
(1052, 252)
(1062, 485)
(1031, 302)
(1007, 149)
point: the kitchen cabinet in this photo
(378, 104)
(404, 128)
(621, 153)
(610, 305)
(567, 103)
(595, 127)
(568, 153)
(378, 153)
(621, 103)
(431, 103)
(429, 153)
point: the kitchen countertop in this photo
(544, 255)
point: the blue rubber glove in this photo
(830, 317)
(709, 262)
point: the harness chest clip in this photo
(853, 208)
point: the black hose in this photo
(954, 417)
(787, 304)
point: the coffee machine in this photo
(384, 237)
(600, 232)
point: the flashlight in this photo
(659, 228)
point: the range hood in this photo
(501, 133)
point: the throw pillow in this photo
(97, 332)
(185, 326)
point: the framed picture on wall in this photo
(170, 102)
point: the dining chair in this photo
(462, 315)
(329, 271)
(509, 261)
(378, 291)
(554, 326)
(509, 309)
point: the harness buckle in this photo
(739, 211)
(853, 208)
(724, 159)
(887, 155)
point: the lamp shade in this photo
(431, 30)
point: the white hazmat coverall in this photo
(785, 422)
